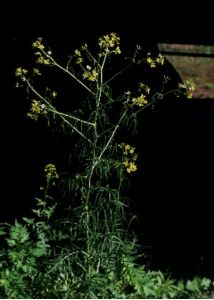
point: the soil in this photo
(198, 69)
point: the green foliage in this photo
(27, 249)
(87, 252)
(20, 262)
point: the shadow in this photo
(174, 190)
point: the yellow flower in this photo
(130, 167)
(109, 42)
(130, 157)
(50, 171)
(144, 87)
(36, 72)
(140, 101)
(38, 44)
(79, 60)
(188, 87)
(43, 60)
(37, 108)
(126, 163)
(91, 75)
(117, 50)
(78, 55)
(128, 149)
(151, 62)
(77, 52)
(131, 150)
(160, 59)
(54, 94)
(84, 47)
(38, 53)
(20, 72)
(189, 95)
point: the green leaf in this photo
(19, 233)
(41, 249)
(2, 231)
(205, 283)
(149, 291)
(11, 242)
(192, 285)
(28, 220)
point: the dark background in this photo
(173, 192)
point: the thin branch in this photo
(72, 117)
(99, 93)
(52, 109)
(68, 72)
(119, 73)
(110, 139)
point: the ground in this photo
(198, 69)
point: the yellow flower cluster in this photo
(188, 87)
(130, 157)
(20, 72)
(140, 101)
(78, 55)
(151, 62)
(90, 74)
(154, 61)
(38, 44)
(50, 171)
(42, 56)
(130, 166)
(110, 43)
(37, 108)
(41, 59)
(160, 59)
(127, 149)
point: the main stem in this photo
(94, 156)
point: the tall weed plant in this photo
(87, 251)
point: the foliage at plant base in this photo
(86, 250)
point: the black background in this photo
(173, 192)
